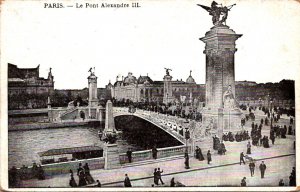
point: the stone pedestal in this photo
(221, 111)
(111, 155)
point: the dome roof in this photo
(130, 79)
(190, 79)
(144, 79)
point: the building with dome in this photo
(144, 88)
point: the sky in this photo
(145, 40)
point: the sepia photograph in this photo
(195, 95)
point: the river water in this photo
(23, 146)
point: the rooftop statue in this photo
(92, 71)
(217, 10)
(167, 71)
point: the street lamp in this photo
(186, 154)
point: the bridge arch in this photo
(124, 112)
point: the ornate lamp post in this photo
(186, 154)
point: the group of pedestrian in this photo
(280, 131)
(83, 174)
(256, 133)
(238, 137)
(157, 176)
(262, 168)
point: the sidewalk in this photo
(115, 177)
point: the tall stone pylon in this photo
(109, 119)
(168, 91)
(221, 112)
(92, 80)
(111, 152)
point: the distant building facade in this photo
(26, 89)
(28, 80)
(144, 88)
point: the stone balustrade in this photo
(63, 167)
(147, 154)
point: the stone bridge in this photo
(175, 126)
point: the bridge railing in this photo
(147, 154)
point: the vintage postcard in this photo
(111, 95)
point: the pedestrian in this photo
(172, 182)
(208, 157)
(197, 153)
(243, 182)
(13, 174)
(98, 184)
(249, 148)
(159, 175)
(242, 158)
(201, 158)
(82, 180)
(262, 168)
(155, 176)
(88, 175)
(127, 182)
(252, 168)
(154, 152)
(79, 169)
(281, 183)
(72, 181)
(41, 173)
(129, 155)
(186, 160)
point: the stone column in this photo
(168, 94)
(93, 100)
(219, 50)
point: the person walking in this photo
(155, 176)
(197, 155)
(281, 183)
(154, 152)
(242, 158)
(159, 175)
(252, 168)
(262, 168)
(129, 155)
(88, 175)
(72, 181)
(186, 160)
(127, 182)
(201, 158)
(208, 157)
(172, 182)
(249, 148)
(243, 182)
(98, 184)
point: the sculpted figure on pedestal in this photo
(216, 10)
(167, 71)
(228, 99)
